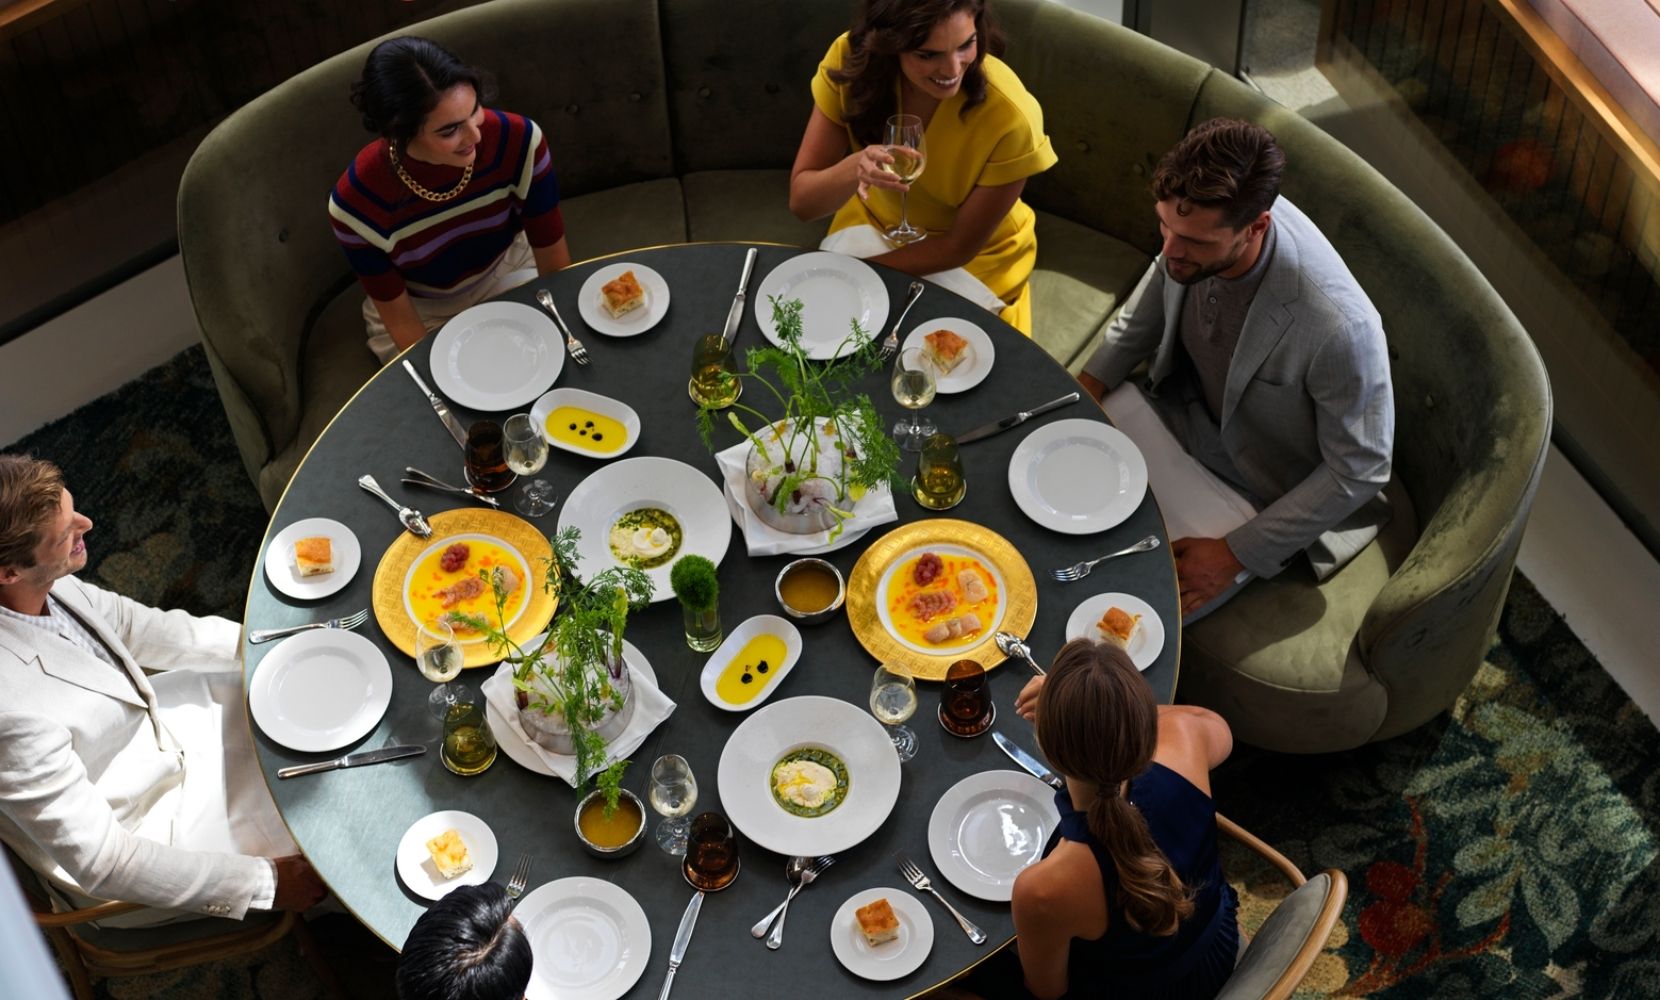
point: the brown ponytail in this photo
(1098, 722)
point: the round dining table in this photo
(349, 822)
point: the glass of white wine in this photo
(527, 452)
(673, 793)
(438, 656)
(892, 701)
(914, 385)
(905, 144)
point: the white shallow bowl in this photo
(415, 865)
(745, 775)
(891, 959)
(320, 690)
(734, 644)
(616, 409)
(279, 559)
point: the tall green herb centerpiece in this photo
(808, 467)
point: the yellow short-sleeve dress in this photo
(999, 142)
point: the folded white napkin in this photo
(1195, 502)
(762, 539)
(865, 241)
(651, 707)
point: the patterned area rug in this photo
(1506, 849)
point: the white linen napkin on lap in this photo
(651, 707)
(762, 539)
(1195, 502)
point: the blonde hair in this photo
(1098, 722)
(30, 491)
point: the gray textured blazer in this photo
(1308, 415)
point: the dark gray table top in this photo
(349, 822)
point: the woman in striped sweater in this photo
(454, 202)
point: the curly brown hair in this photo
(882, 29)
(1223, 163)
(30, 492)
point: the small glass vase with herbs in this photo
(694, 582)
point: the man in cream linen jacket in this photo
(114, 783)
(1268, 365)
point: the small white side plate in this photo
(890, 959)
(279, 559)
(1148, 640)
(971, 371)
(631, 323)
(320, 690)
(988, 827)
(590, 939)
(603, 405)
(415, 865)
(734, 644)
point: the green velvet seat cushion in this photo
(1278, 941)
(751, 205)
(646, 214)
(1081, 278)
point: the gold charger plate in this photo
(387, 596)
(864, 609)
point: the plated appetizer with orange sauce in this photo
(942, 600)
(455, 580)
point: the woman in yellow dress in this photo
(983, 137)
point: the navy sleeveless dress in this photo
(1196, 960)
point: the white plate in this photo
(690, 496)
(971, 371)
(745, 775)
(497, 356)
(630, 323)
(734, 645)
(415, 865)
(988, 827)
(279, 559)
(507, 738)
(898, 563)
(520, 566)
(320, 690)
(890, 959)
(590, 939)
(1078, 476)
(604, 405)
(1148, 640)
(834, 290)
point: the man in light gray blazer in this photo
(117, 783)
(1267, 363)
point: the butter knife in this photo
(358, 759)
(1028, 762)
(439, 406)
(735, 315)
(682, 938)
(998, 427)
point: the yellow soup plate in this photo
(401, 587)
(880, 580)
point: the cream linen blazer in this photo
(91, 782)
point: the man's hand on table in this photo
(299, 887)
(1205, 567)
(1025, 704)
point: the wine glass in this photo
(673, 793)
(438, 657)
(905, 145)
(913, 388)
(527, 452)
(892, 701)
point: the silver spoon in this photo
(775, 940)
(410, 517)
(793, 870)
(1011, 645)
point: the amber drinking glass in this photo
(965, 703)
(487, 457)
(711, 853)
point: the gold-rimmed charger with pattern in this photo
(388, 599)
(866, 593)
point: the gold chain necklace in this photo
(403, 175)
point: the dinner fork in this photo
(1078, 571)
(890, 343)
(352, 620)
(521, 878)
(914, 875)
(776, 939)
(578, 353)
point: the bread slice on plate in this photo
(622, 294)
(1118, 626)
(449, 854)
(878, 922)
(314, 555)
(947, 349)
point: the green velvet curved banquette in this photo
(668, 123)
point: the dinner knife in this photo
(735, 315)
(682, 938)
(358, 759)
(1027, 761)
(439, 406)
(998, 427)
